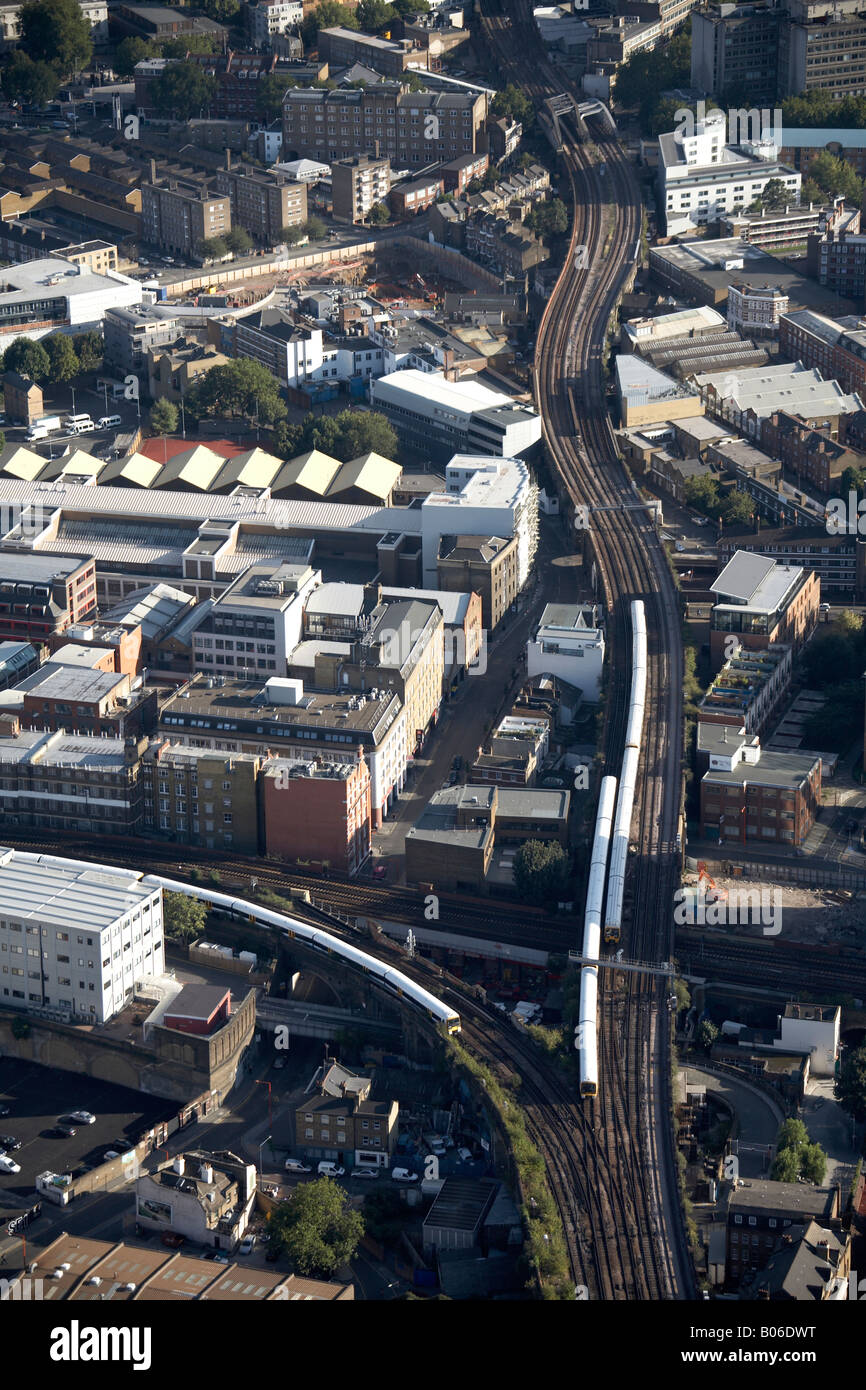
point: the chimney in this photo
(228, 158)
(153, 171)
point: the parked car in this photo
(294, 1165)
(403, 1175)
(247, 1245)
(219, 1258)
(330, 1170)
(365, 1172)
(82, 1117)
(173, 1239)
(380, 871)
(8, 1143)
(65, 1130)
(8, 1165)
(465, 1155)
(4, 1109)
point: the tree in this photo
(315, 228)
(328, 14)
(20, 1027)
(833, 178)
(836, 725)
(378, 215)
(813, 1163)
(793, 1134)
(316, 1228)
(163, 416)
(242, 387)
(702, 493)
(223, 11)
(707, 1034)
(540, 870)
(776, 195)
(2, 441)
(28, 358)
(736, 508)
(291, 235)
(63, 362)
(645, 74)
(850, 1087)
(24, 80)
(131, 51)
(184, 918)
(270, 92)
(549, 219)
(190, 43)
(786, 1166)
(238, 240)
(182, 91)
(212, 248)
(684, 999)
(513, 102)
(375, 15)
(55, 32)
(345, 436)
(90, 348)
(406, 9)
(853, 480)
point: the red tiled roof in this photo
(153, 448)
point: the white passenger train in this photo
(587, 1035)
(389, 979)
(628, 776)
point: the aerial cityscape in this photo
(432, 659)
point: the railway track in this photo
(625, 1131)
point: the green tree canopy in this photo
(212, 248)
(291, 235)
(184, 917)
(315, 228)
(28, 358)
(223, 11)
(513, 102)
(850, 1088)
(707, 1034)
(813, 1163)
(316, 1228)
(540, 871)
(736, 508)
(839, 722)
(55, 32)
(797, 1156)
(183, 91)
(90, 348)
(130, 51)
(793, 1134)
(836, 653)
(243, 388)
(549, 219)
(832, 177)
(63, 362)
(375, 15)
(775, 195)
(407, 9)
(24, 80)
(344, 436)
(786, 1166)
(328, 14)
(378, 215)
(238, 240)
(270, 91)
(189, 43)
(853, 480)
(163, 416)
(681, 990)
(642, 78)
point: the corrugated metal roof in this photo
(315, 471)
(56, 896)
(370, 473)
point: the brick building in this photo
(58, 781)
(317, 813)
(762, 1215)
(177, 216)
(837, 349)
(198, 796)
(486, 565)
(339, 1122)
(199, 1009)
(507, 246)
(417, 195)
(357, 184)
(763, 603)
(43, 594)
(341, 48)
(410, 128)
(459, 173)
(817, 460)
(22, 399)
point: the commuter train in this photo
(628, 777)
(389, 979)
(587, 1024)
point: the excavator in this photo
(715, 893)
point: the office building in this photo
(358, 183)
(256, 622)
(438, 418)
(837, 260)
(73, 783)
(177, 216)
(44, 594)
(735, 49)
(487, 566)
(763, 603)
(340, 48)
(197, 796)
(269, 17)
(569, 644)
(129, 335)
(317, 813)
(80, 937)
(52, 293)
(764, 797)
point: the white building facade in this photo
(486, 497)
(271, 17)
(73, 941)
(570, 646)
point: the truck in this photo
(40, 429)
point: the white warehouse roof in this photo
(92, 899)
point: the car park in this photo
(294, 1165)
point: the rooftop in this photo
(784, 770)
(754, 581)
(55, 896)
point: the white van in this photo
(330, 1170)
(84, 427)
(70, 421)
(37, 432)
(108, 422)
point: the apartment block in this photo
(735, 49)
(73, 941)
(177, 216)
(130, 333)
(746, 693)
(569, 643)
(338, 1120)
(816, 459)
(507, 246)
(838, 561)
(485, 565)
(410, 128)
(196, 796)
(44, 594)
(765, 797)
(837, 260)
(270, 17)
(263, 203)
(358, 183)
(459, 173)
(317, 813)
(763, 1216)
(836, 348)
(74, 783)
(416, 195)
(763, 603)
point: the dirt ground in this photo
(814, 915)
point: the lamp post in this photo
(270, 1109)
(261, 1146)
